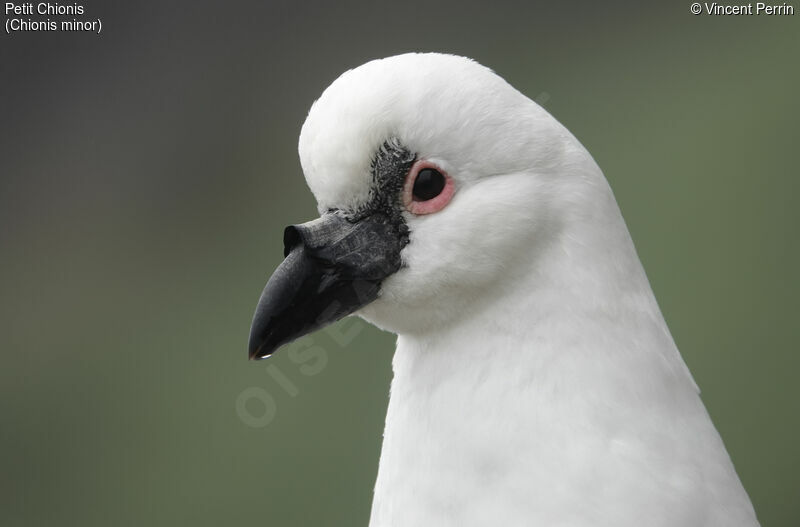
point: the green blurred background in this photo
(147, 174)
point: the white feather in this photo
(536, 382)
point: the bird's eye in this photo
(429, 184)
(428, 188)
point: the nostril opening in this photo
(291, 237)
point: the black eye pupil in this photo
(428, 185)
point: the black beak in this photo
(333, 266)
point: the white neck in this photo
(562, 401)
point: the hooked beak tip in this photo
(258, 353)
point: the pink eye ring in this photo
(427, 189)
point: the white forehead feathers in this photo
(438, 106)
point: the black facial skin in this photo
(335, 264)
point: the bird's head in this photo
(433, 177)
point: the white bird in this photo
(535, 380)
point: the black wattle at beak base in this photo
(332, 268)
